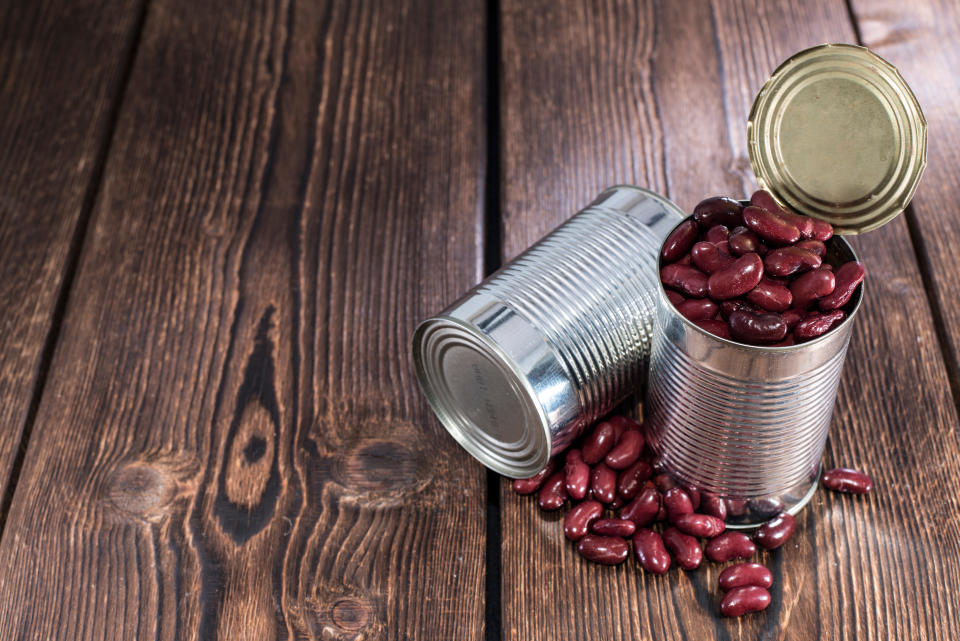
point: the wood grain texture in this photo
(657, 93)
(231, 443)
(54, 122)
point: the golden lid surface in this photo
(836, 134)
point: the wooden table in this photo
(220, 223)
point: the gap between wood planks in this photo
(73, 259)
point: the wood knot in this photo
(382, 466)
(140, 490)
(351, 615)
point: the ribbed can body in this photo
(552, 341)
(741, 421)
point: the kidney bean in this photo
(845, 479)
(698, 309)
(757, 329)
(532, 484)
(679, 241)
(793, 316)
(718, 211)
(630, 480)
(664, 482)
(627, 450)
(684, 548)
(709, 258)
(684, 278)
(674, 297)
(714, 506)
(616, 503)
(769, 226)
(811, 286)
(606, 550)
(776, 531)
(765, 200)
(677, 502)
(650, 551)
(742, 574)
(848, 276)
(743, 241)
(553, 494)
(598, 443)
(817, 324)
(765, 507)
(603, 482)
(736, 507)
(727, 307)
(822, 230)
(816, 246)
(700, 525)
(613, 527)
(718, 234)
(686, 259)
(643, 509)
(577, 522)
(770, 296)
(715, 327)
(740, 601)
(787, 342)
(729, 546)
(577, 475)
(693, 493)
(790, 260)
(737, 279)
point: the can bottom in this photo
(791, 506)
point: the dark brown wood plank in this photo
(657, 93)
(231, 443)
(61, 65)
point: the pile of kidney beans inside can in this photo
(620, 495)
(756, 274)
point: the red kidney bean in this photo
(822, 230)
(679, 241)
(630, 480)
(684, 278)
(715, 327)
(627, 450)
(793, 316)
(620, 425)
(577, 475)
(737, 279)
(616, 503)
(729, 546)
(684, 548)
(709, 258)
(577, 522)
(776, 531)
(698, 309)
(693, 493)
(848, 276)
(757, 329)
(845, 479)
(598, 443)
(790, 260)
(769, 226)
(643, 509)
(714, 506)
(787, 342)
(606, 550)
(736, 507)
(817, 324)
(717, 234)
(700, 525)
(686, 259)
(613, 527)
(674, 297)
(677, 502)
(816, 246)
(727, 307)
(603, 482)
(743, 241)
(765, 200)
(742, 574)
(815, 284)
(770, 296)
(740, 601)
(718, 211)
(650, 551)
(532, 484)
(765, 507)
(553, 494)
(664, 482)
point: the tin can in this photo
(518, 366)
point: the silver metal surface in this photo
(523, 362)
(743, 421)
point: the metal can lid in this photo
(836, 134)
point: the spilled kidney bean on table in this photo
(756, 274)
(622, 500)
